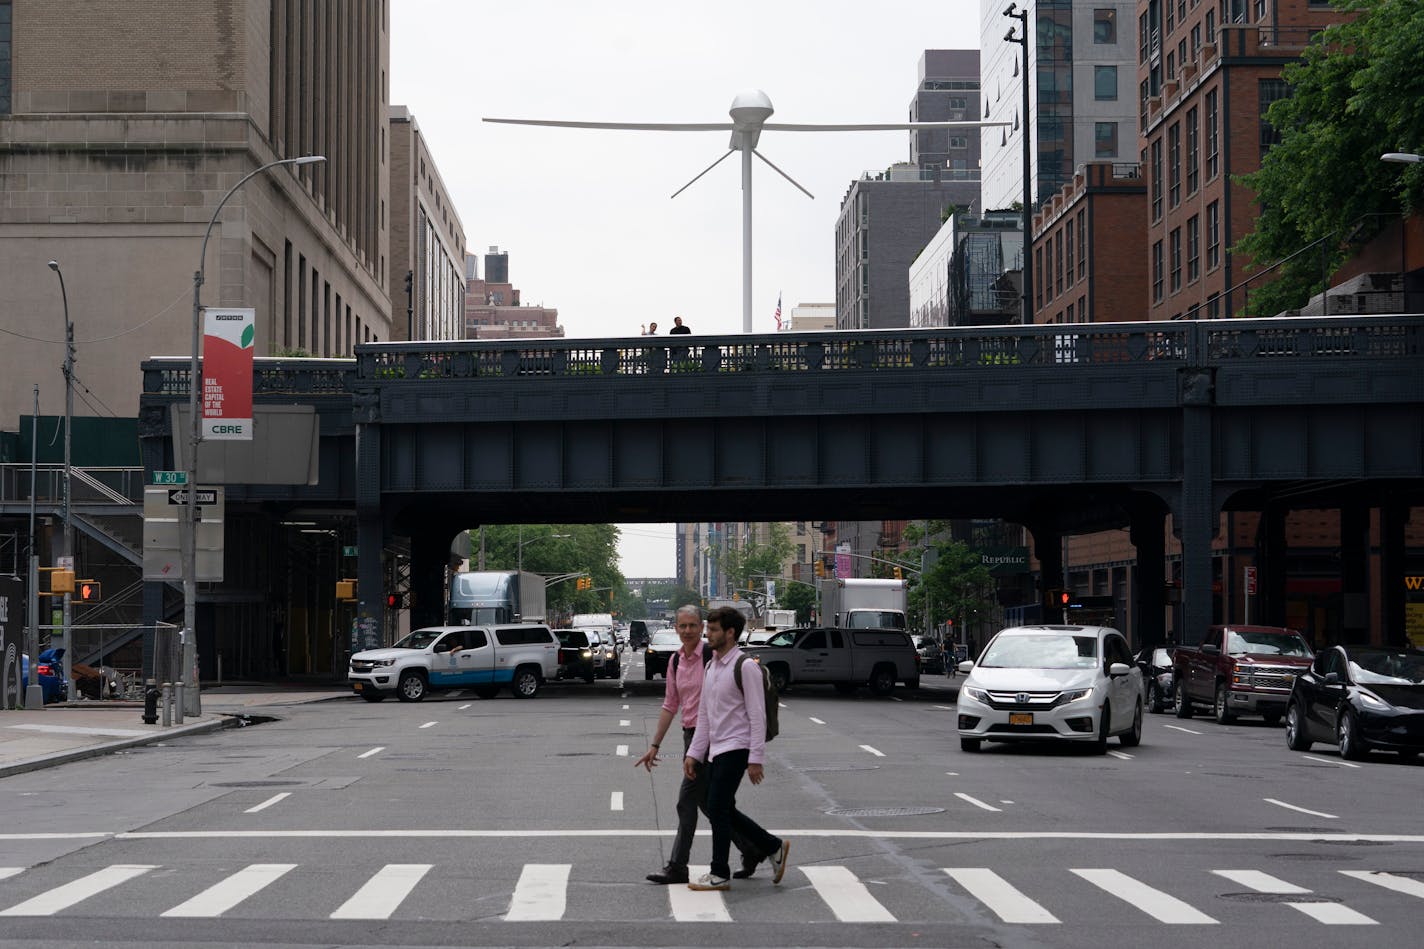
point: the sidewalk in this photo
(43, 738)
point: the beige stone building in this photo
(427, 240)
(126, 124)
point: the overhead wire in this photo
(101, 339)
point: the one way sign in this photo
(205, 496)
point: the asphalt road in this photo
(461, 821)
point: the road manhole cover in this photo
(883, 811)
(256, 784)
(840, 767)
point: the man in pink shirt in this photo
(729, 742)
(684, 678)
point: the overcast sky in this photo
(585, 215)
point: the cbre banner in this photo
(228, 336)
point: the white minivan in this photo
(1052, 683)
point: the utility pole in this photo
(68, 621)
(1023, 39)
(34, 695)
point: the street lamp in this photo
(1402, 158)
(522, 542)
(68, 660)
(1022, 40)
(188, 536)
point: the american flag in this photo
(778, 312)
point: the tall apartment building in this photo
(427, 240)
(809, 317)
(948, 92)
(1207, 72)
(492, 304)
(123, 126)
(1081, 105)
(969, 273)
(1087, 248)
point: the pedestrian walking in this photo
(730, 742)
(679, 328)
(682, 693)
(652, 329)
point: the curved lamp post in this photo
(188, 535)
(68, 660)
(1403, 158)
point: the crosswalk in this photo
(542, 893)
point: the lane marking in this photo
(878, 754)
(781, 705)
(1331, 914)
(429, 724)
(821, 832)
(615, 801)
(1160, 906)
(462, 708)
(1303, 810)
(896, 698)
(1121, 754)
(624, 723)
(225, 894)
(816, 720)
(1003, 899)
(697, 906)
(383, 894)
(1006, 802)
(1389, 881)
(846, 896)
(274, 799)
(621, 751)
(63, 897)
(374, 751)
(1343, 764)
(8, 872)
(540, 894)
(976, 802)
(947, 708)
(952, 774)
(1179, 728)
(625, 708)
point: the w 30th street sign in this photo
(205, 496)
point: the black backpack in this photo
(773, 727)
(707, 655)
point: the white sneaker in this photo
(710, 882)
(778, 861)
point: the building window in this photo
(1193, 152)
(1269, 91)
(958, 141)
(1212, 154)
(1105, 83)
(1213, 236)
(1058, 264)
(1157, 272)
(958, 102)
(1174, 165)
(5, 57)
(1082, 245)
(1157, 179)
(1171, 66)
(1068, 250)
(1038, 285)
(1104, 25)
(1211, 26)
(1193, 248)
(1174, 243)
(1144, 36)
(1105, 139)
(1213, 307)
(1196, 41)
(1047, 274)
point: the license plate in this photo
(356, 686)
(1020, 718)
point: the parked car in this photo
(575, 655)
(656, 657)
(1360, 698)
(49, 673)
(932, 660)
(1057, 683)
(1240, 670)
(1159, 680)
(482, 658)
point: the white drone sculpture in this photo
(750, 111)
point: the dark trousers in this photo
(724, 776)
(692, 797)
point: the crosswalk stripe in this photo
(225, 894)
(63, 897)
(8, 872)
(846, 896)
(540, 894)
(381, 895)
(1389, 881)
(1332, 914)
(1005, 900)
(697, 906)
(1160, 906)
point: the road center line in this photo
(462, 708)
(374, 751)
(816, 720)
(896, 698)
(625, 708)
(621, 751)
(429, 724)
(1179, 728)
(624, 723)
(976, 802)
(1121, 754)
(615, 801)
(876, 753)
(947, 708)
(269, 802)
(1303, 810)
(1343, 764)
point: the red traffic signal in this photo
(88, 591)
(1064, 597)
(395, 601)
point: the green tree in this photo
(1358, 91)
(956, 585)
(557, 549)
(746, 565)
(798, 597)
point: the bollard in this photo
(150, 703)
(167, 704)
(178, 702)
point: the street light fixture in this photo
(68, 660)
(522, 542)
(188, 536)
(1402, 158)
(1022, 39)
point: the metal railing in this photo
(91, 485)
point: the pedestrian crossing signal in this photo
(88, 591)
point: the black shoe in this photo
(749, 865)
(669, 874)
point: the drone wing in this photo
(633, 126)
(877, 126)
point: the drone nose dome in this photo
(751, 107)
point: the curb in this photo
(109, 747)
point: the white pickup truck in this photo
(847, 658)
(480, 658)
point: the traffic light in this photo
(88, 591)
(1055, 598)
(1064, 598)
(395, 601)
(583, 583)
(899, 574)
(820, 567)
(61, 581)
(346, 590)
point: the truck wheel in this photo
(1184, 707)
(1296, 739)
(969, 744)
(846, 688)
(526, 683)
(371, 695)
(780, 677)
(1221, 711)
(411, 687)
(1352, 746)
(1100, 744)
(1133, 738)
(882, 680)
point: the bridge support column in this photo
(1048, 548)
(1196, 516)
(1149, 579)
(1272, 577)
(1394, 516)
(370, 529)
(1354, 571)
(429, 562)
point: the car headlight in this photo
(978, 695)
(383, 662)
(651, 651)
(1074, 696)
(587, 654)
(1374, 702)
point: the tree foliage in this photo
(746, 565)
(799, 597)
(1358, 92)
(591, 549)
(956, 585)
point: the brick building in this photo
(427, 240)
(492, 305)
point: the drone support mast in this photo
(746, 234)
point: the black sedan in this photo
(1158, 678)
(931, 656)
(658, 655)
(1360, 698)
(576, 659)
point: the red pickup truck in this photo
(1240, 670)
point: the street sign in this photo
(64, 563)
(347, 551)
(205, 496)
(170, 477)
(1250, 581)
